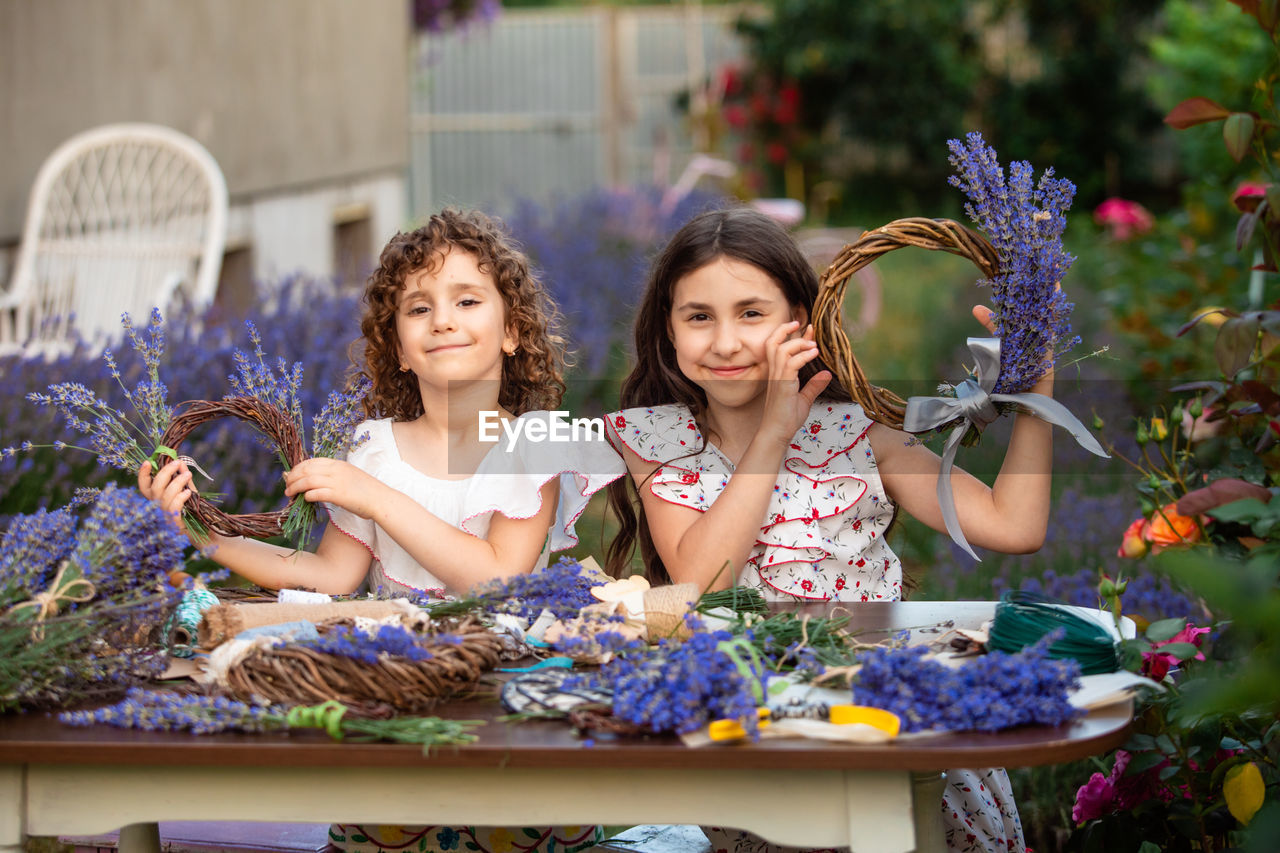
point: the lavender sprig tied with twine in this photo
(1024, 222)
(82, 602)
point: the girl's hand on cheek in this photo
(334, 481)
(786, 403)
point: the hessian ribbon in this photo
(974, 406)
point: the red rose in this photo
(619, 421)
(807, 586)
(814, 429)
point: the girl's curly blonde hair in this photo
(532, 378)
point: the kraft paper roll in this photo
(224, 621)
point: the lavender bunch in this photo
(1024, 222)
(368, 647)
(561, 588)
(992, 692)
(116, 438)
(82, 602)
(333, 430)
(678, 686)
(163, 711)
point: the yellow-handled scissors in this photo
(840, 715)
(721, 730)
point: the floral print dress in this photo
(822, 539)
(823, 536)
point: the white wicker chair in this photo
(120, 218)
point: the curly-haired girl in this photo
(461, 346)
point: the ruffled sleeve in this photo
(510, 479)
(823, 536)
(691, 472)
(373, 455)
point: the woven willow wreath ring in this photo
(944, 235)
(269, 420)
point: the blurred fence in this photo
(555, 101)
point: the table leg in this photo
(13, 804)
(140, 838)
(926, 809)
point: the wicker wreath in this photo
(943, 235)
(297, 675)
(273, 423)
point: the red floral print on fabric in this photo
(828, 507)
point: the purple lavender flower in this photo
(162, 711)
(1024, 223)
(992, 692)
(561, 588)
(370, 647)
(678, 686)
(32, 549)
(126, 543)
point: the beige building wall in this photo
(295, 99)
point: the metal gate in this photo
(547, 102)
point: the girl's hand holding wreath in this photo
(786, 404)
(170, 489)
(337, 482)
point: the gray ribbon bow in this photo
(974, 405)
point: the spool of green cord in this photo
(1023, 618)
(185, 622)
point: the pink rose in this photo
(1094, 799)
(1156, 664)
(1248, 196)
(1123, 218)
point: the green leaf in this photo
(1195, 111)
(1165, 629)
(1181, 651)
(1237, 131)
(1167, 773)
(1268, 13)
(1149, 847)
(1244, 511)
(1244, 230)
(1234, 346)
(1140, 742)
(1142, 762)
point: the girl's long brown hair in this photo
(532, 378)
(743, 235)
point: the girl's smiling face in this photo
(721, 317)
(451, 322)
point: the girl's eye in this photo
(699, 318)
(418, 309)
(469, 301)
(751, 312)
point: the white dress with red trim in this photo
(508, 481)
(823, 535)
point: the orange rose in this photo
(1133, 545)
(1168, 528)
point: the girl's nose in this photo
(442, 320)
(726, 341)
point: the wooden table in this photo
(61, 780)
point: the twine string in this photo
(61, 589)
